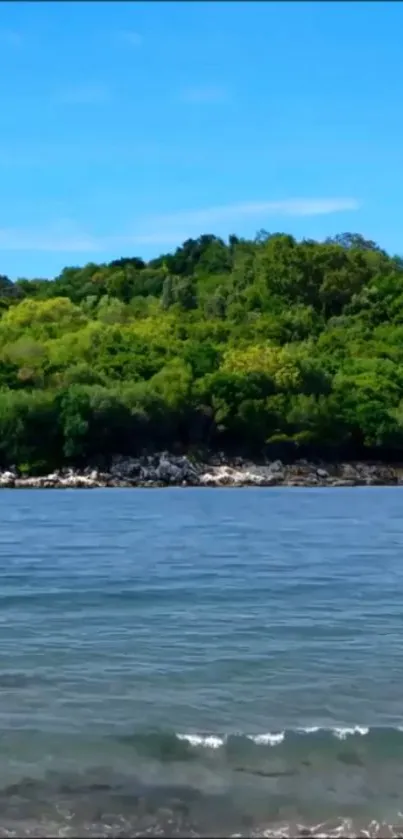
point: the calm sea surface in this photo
(201, 661)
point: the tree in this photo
(241, 344)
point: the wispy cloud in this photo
(11, 38)
(50, 238)
(234, 212)
(196, 95)
(160, 237)
(129, 36)
(56, 239)
(171, 229)
(45, 153)
(85, 94)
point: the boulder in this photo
(125, 467)
(29, 483)
(221, 476)
(348, 472)
(227, 476)
(54, 477)
(165, 469)
(173, 470)
(311, 480)
(276, 466)
(80, 481)
(168, 471)
(272, 480)
(7, 479)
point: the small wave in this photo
(311, 729)
(342, 743)
(273, 738)
(213, 741)
(268, 739)
(209, 741)
(343, 733)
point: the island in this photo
(259, 362)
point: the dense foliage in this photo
(268, 345)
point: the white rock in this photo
(270, 480)
(208, 478)
(276, 466)
(226, 476)
(254, 479)
(79, 482)
(7, 479)
(349, 472)
(8, 476)
(30, 483)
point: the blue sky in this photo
(125, 128)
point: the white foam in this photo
(208, 741)
(342, 733)
(213, 741)
(311, 729)
(269, 739)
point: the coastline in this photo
(167, 470)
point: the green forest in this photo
(269, 346)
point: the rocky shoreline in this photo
(164, 469)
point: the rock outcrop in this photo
(171, 470)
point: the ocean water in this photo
(201, 662)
